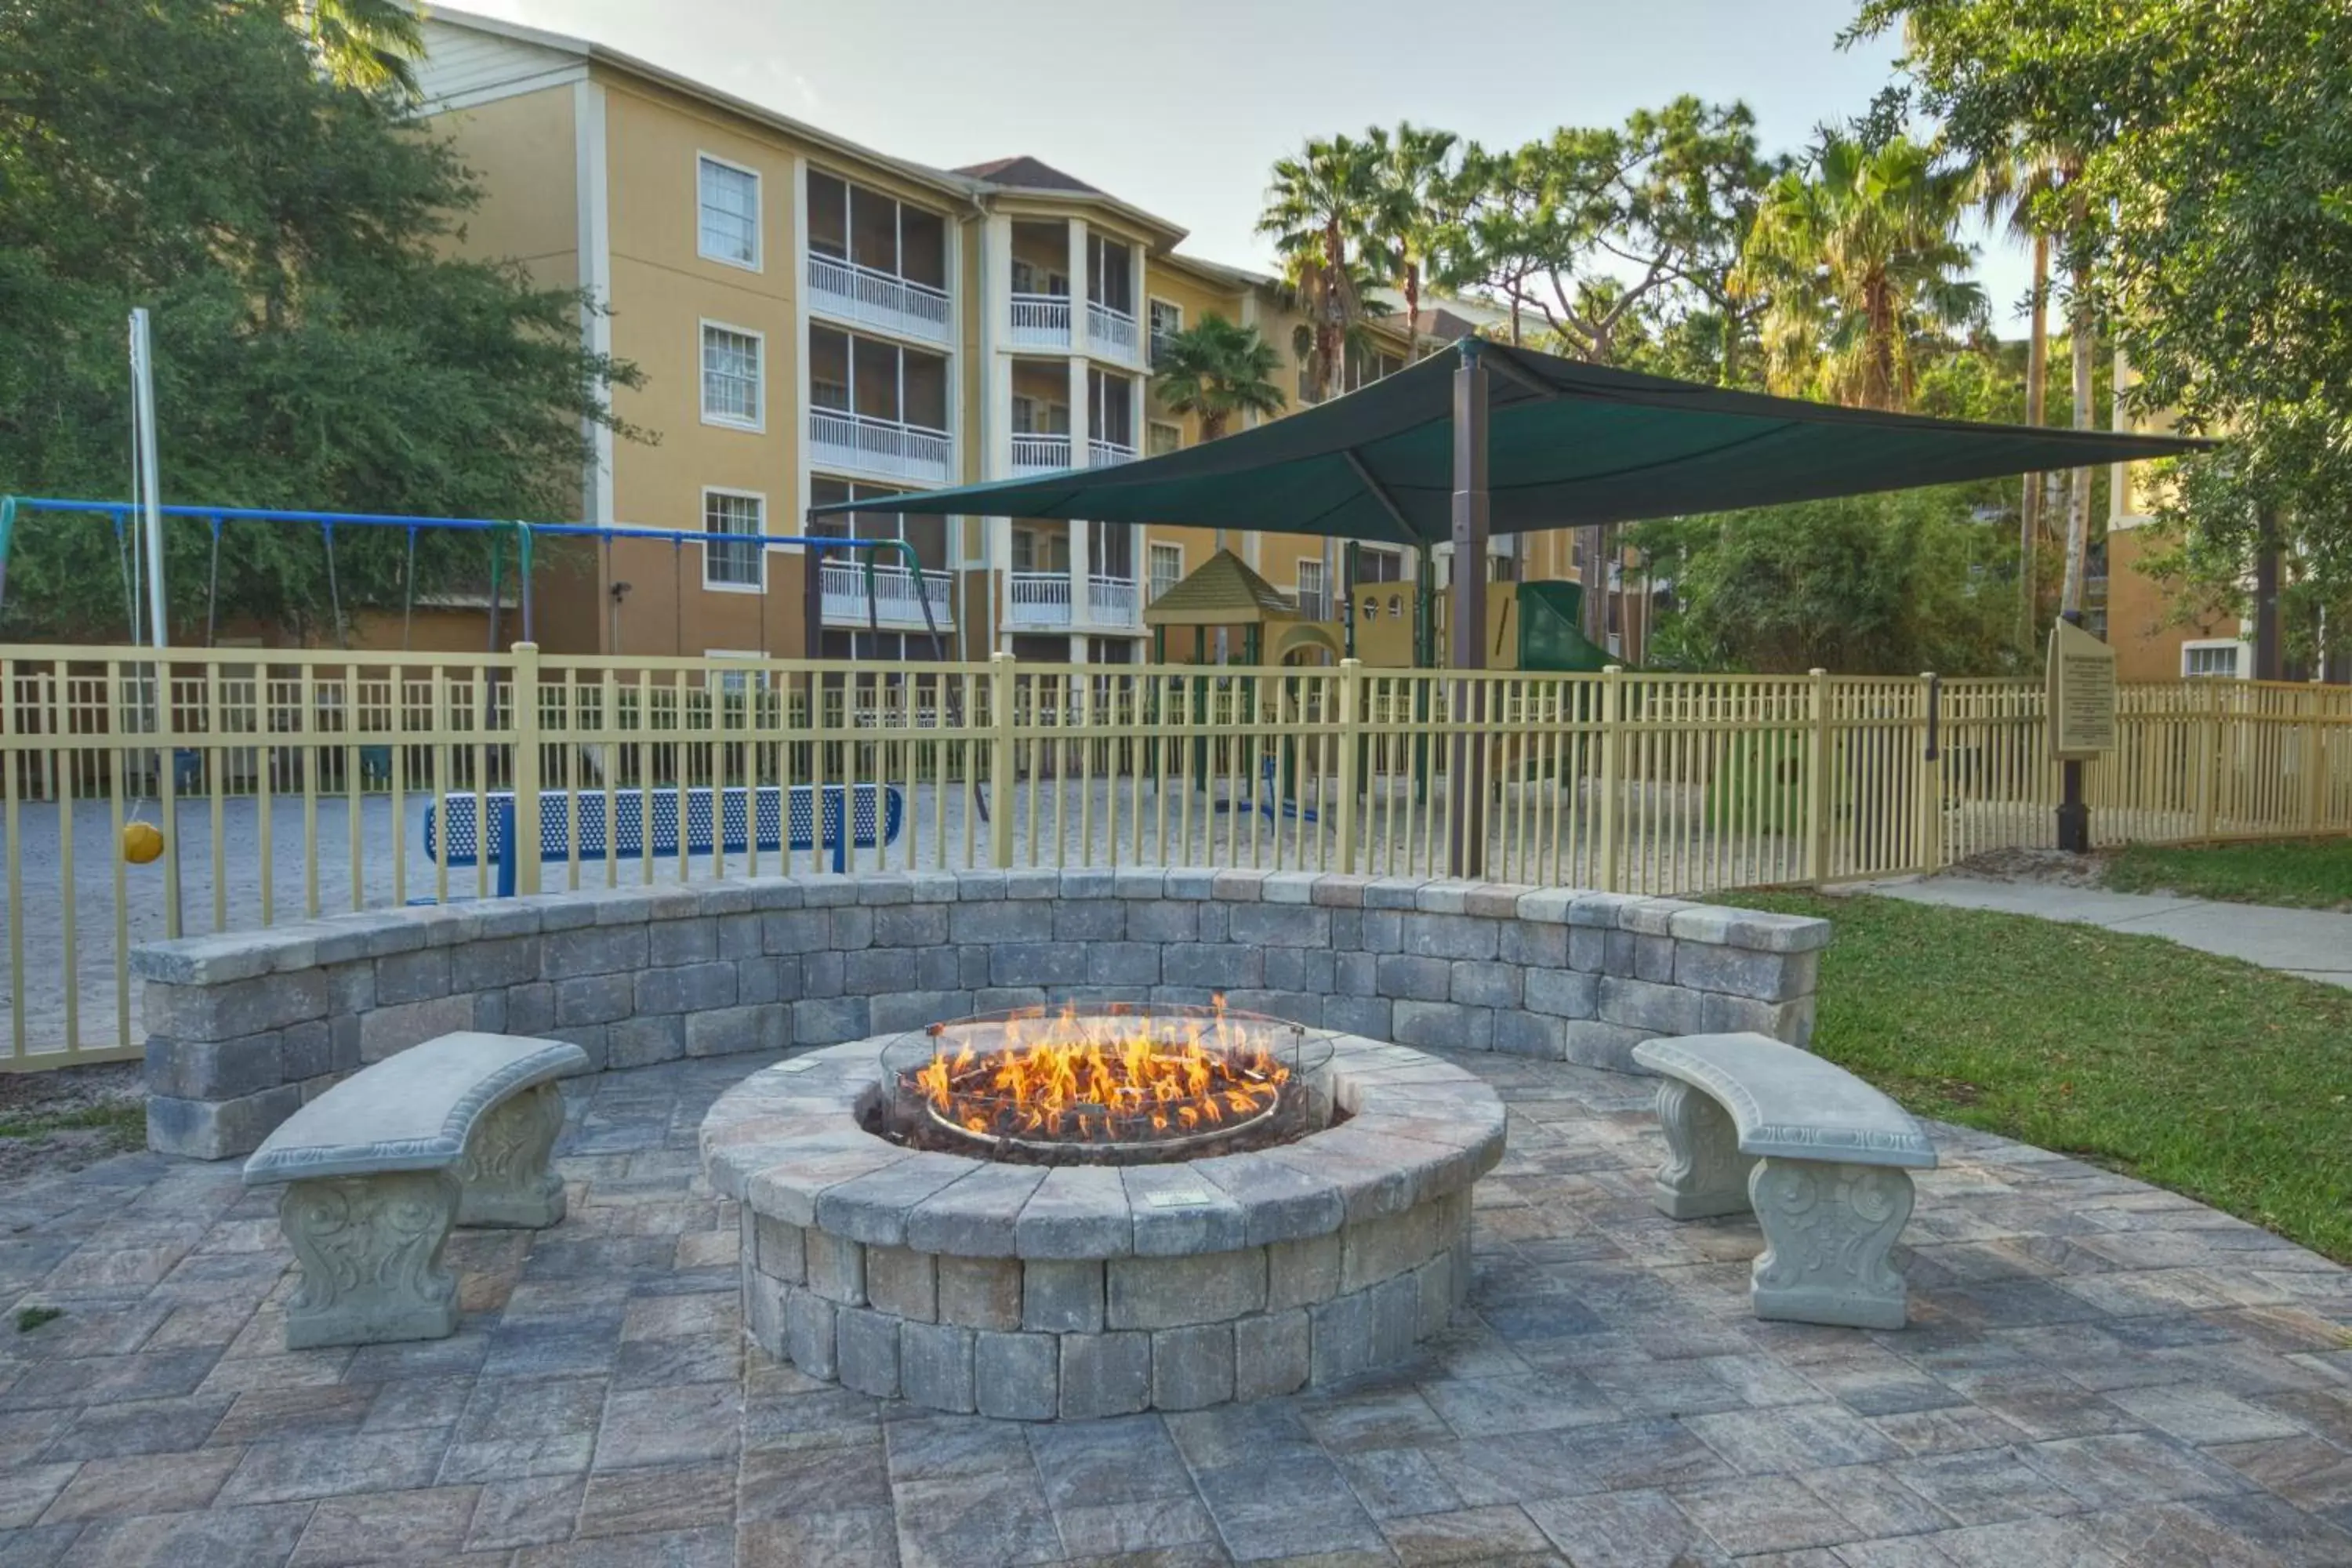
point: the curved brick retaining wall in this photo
(243, 1027)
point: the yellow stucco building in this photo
(819, 322)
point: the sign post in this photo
(2081, 707)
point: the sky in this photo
(1182, 107)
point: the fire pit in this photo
(1119, 1086)
(1090, 1212)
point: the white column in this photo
(1082, 427)
(1078, 268)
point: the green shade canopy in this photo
(1569, 444)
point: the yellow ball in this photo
(141, 842)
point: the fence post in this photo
(2209, 761)
(2313, 741)
(1000, 760)
(1612, 767)
(1817, 780)
(522, 696)
(1931, 781)
(1351, 741)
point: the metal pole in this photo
(1465, 794)
(151, 498)
(2074, 811)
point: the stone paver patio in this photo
(2097, 1373)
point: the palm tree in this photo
(2008, 188)
(362, 43)
(1859, 251)
(1415, 186)
(1318, 209)
(1216, 370)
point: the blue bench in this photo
(743, 817)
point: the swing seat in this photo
(775, 819)
(1270, 806)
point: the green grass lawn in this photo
(2202, 1074)
(2309, 873)
(126, 1124)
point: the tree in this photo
(317, 344)
(1318, 211)
(1416, 196)
(1217, 370)
(2215, 165)
(363, 43)
(1859, 252)
(1883, 585)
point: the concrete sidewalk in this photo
(2314, 943)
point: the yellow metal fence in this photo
(286, 785)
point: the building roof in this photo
(1022, 172)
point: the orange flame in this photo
(1104, 1077)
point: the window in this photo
(736, 682)
(1167, 568)
(731, 377)
(1375, 564)
(928, 535)
(733, 563)
(1310, 590)
(1167, 320)
(2210, 660)
(1162, 439)
(1039, 278)
(730, 213)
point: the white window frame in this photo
(1386, 553)
(758, 423)
(1151, 549)
(2238, 662)
(1152, 427)
(1151, 303)
(703, 516)
(736, 681)
(1304, 565)
(758, 212)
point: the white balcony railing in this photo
(1040, 321)
(884, 447)
(1040, 454)
(842, 584)
(1037, 599)
(1112, 601)
(1110, 334)
(1103, 454)
(878, 299)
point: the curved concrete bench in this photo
(377, 1169)
(1822, 1157)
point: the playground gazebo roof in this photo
(1222, 592)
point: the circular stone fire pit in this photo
(1318, 1229)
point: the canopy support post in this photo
(1465, 781)
(2074, 811)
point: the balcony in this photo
(842, 585)
(1040, 321)
(1036, 599)
(1040, 454)
(865, 445)
(1110, 333)
(1103, 454)
(1113, 602)
(876, 298)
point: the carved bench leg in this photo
(370, 1249)
(1827, 1230)
(1705, 1172)
(503, 1175)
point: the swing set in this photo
(143, 842)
